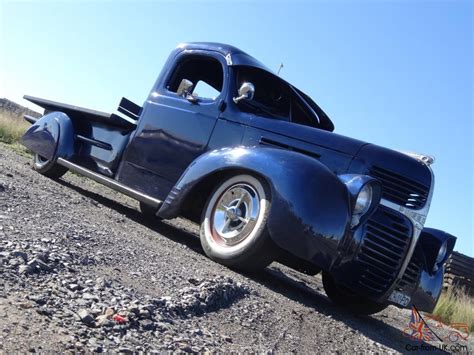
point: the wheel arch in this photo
(194, 200)
(299, 185)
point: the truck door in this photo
(176, 123)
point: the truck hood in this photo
(314, 136)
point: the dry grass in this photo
(12, 128)
(456, 306)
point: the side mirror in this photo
(246, 92)
(185, 87)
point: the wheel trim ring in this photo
(233, 239)
(40, 160)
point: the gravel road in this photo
(82, 270)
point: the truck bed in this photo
(76, 112)
(99, 138)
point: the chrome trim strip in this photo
(418, 219)
(111, 183)
(94, 142)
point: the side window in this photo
(205, 91)
(272, 98)
(199, 75)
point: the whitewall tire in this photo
(233, 228)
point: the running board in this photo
(114, 185)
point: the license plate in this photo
(399, 298)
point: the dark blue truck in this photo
(226, 143)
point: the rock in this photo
(147, 324)
(85, 316)
(20, 254)
(90, 297)
(39, 299)
(134, 309)
(45, 311)
(74, 287)
(14, 262)
(83, 302)
(194, 281)
(162, 326)
(87, 261)
(43, 266)
(26, 269)
(103, 320)
(144, 313)
(43, 256)
(37, 265)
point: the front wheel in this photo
(234, 224)
(349, 300)
(48, 167)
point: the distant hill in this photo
(13, 109)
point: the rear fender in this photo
(310, 211)
(52, 136)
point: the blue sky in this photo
(394, 73)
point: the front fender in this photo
(430, 243)
(310, 210)
(428, 291)
(52, 136)
(430, 285)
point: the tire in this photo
(148, 211)
(234, 224)
(48, 168)
(349, 300)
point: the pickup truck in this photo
(223, 141)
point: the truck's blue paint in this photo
(52, 136)
(309, 222)
(429, 289)
(177, 145)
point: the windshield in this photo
(275, 98)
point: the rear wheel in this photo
(48, 167)
(344, 297)
(234, 224)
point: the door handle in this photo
(192, 99)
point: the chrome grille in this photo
(384, 245)
(399, 189)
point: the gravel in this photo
(81, 270)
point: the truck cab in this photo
(225, 142)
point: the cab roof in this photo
(235, 56)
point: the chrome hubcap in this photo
(235, 214)
(40, 160)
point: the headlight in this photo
(442, 252)
(364, 199)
